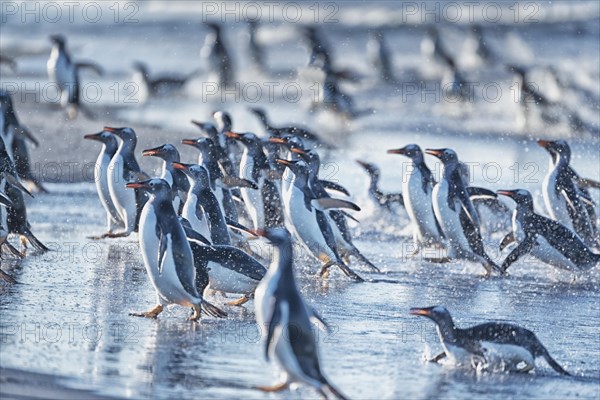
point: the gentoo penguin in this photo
(334, 99)
(492, 346)
(219, 141)
(337, 218)
(157, 86)
(309, 223)
(455, 212)
(174, 177)
(310, 140)
(14, 216)
(566, 202)
(318, 47)
(432, 48)
(114, 222)
(254, 167)
(229, 269)
(547, 240)
(202, 195)
(530, 97)
(167, 254)
(385, 200)
(379, 56)
(482, 49)
(16, 136)
(65, 74)
(281, 310)
(215, 53)
(124, 168)
(417, 189)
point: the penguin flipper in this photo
(35, 242)
(508, 239)
(212, 310)
(555, 366)
(316, 318)
(588, 183)
(334, 186)
(230, 182)
(437, 358)
(328, 203)
(523, 248)
(162, 247)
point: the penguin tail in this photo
(356, 253)
(346, 270)
(213, 311)
(335, 392)
(12, 249)
(35, 242)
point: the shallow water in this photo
(69, 314)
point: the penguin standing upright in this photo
(455, 212)
(167, 254)
(256, 51)
(124, 168)
(566, 202)
(217, 55)
(417, 189)
(492, 346)
(109, 148)
(65, 74)
(547, 240)
(281, 309)
(175, 178)
(379, 56)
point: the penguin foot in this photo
(196, 315)
(149, 314)
(242, 300)
(118, 234)
(12, 250)
(23, 240)
(275, 388)
(6, 277)
(213, 310)
(101, 236)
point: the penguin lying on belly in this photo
(492, 346)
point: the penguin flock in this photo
(197, 222)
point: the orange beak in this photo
(396, 151)
(508, 193)
(543, 143)
(180, 166)
(258, 232)
(233, 135)
(419, 311)
(190, 142)
(277, 140)
(135, 185)
(109, 129)
(92, 136)
(433, 152)
(298, 151)
(150, 152)
(283, 162)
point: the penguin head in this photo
(438, 314)
(223, 120)
(371, 169)
(447, 156)
(259, 112)
(207, 128)
(141, 67)
(298, 167)
(167, 152)
(249, 139)
(519, 196)
(557, 148)
(288, 141)
(202, 144)
(103, 136)
(196, 173)
(154, 186)
(411, 151)
(58, 40)
(126, 134)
